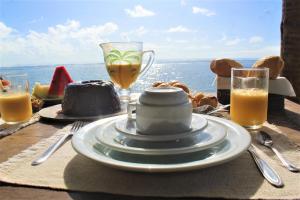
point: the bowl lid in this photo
(164, 96)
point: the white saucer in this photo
(237, 141)
(212, 135)
(128, 128)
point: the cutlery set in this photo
(266, 140)
(270, 174)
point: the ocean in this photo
(194, 73)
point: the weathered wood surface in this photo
(288, 122)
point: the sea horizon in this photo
(168, 60)
(196, 74)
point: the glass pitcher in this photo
(123, 62)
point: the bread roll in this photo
(194, 103)
(209, 100)
(182, 86)
(199, 96)
(274, 63)
(199, 99)
(196, 99)
(173, 82)
(156, 84)
(162, 85)
(222, 67)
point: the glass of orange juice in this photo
(123, 62)
(249, 97)
(15, 101)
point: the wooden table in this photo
(287, 121)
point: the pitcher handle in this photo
(149, 63)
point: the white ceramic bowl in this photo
(163, 111)
(163, 96)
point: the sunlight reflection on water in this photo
(195, 74)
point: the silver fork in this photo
(42, 158)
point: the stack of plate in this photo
(116, 142)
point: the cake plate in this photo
(55, 113)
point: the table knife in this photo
(267, 171)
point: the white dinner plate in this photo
(237, 141)
(128, 128)
(213, 134)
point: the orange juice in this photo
(15, 107)
(124, 74)
(248, 107)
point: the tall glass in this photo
(249, 97)
(123, 62)
(15, 101)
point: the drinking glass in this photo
(123, 62)
(15, 101)
(249, 97)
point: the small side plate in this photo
(213, 134)
(127, 127)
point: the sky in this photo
(42, 32)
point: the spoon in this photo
(266, 140)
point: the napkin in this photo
(6, 129)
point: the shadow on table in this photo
(287, 118)
(236, 179)
(55, 123)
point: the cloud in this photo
(4, 30)
(70, 42)
(256, 40)
(62, 43)
(255, 52)
(229, 41)
(139, 32)
(233, 42)
(179, 29)
(139, 11)
(224, 38)
(168, 39)
(178, 49)
(36, 20)
(203, 11)
(183, 3)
